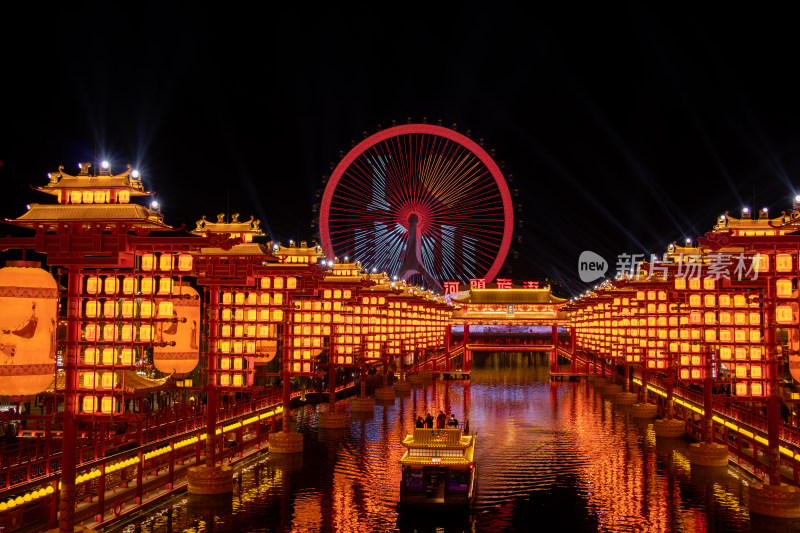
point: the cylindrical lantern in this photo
(28, 314)
(182, 337)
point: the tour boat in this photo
(438, 470)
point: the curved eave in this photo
(245, 249)
(510, 296)
(135, 215)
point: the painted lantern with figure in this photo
(28, 315)
(177, 349)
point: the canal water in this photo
(550, 457)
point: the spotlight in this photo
(135, 174)
(105, 165)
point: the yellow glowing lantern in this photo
(148, 262)
(165, 285)
(763, 262)
(126, 357)
(92, 284)
(111, 285)
(185, 262)
(181, 336)
(165, 262)
(165, 309)
(783, 263)
(147, 309)
(783, 287)
(110, 309)
(127, 308)
(28, 313)
(109, 380)
(145, 333)
(146, 285)
(88, 404)
(107, 404)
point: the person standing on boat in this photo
(453, 422)
(429, 421)
(420, 422)
(441, 420)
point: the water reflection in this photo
(548, 455)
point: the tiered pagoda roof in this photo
(102, 201)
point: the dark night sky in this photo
(624, 128)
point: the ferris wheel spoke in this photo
(449, 183)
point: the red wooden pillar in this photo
(670, 394)
(385, 358)
(554, 351)
(66, 518)
(448, 335)
(331, 384)
(627, 384)
(466, 356)
(773, 400)
(708, 407)
(643, 390)
(286, 372)
(363, 391)
(211, 386)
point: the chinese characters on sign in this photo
(712, 266)
(452, 287)
(503, 283)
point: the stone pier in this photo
(672, 428)
(779, 501)
(210, 479)
(285, 442)
(707, 454)
(644, 410)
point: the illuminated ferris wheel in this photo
(420, 202)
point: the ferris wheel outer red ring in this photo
(430, 129)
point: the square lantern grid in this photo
(122, 317)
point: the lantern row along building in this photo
(722, 313)
(128, 303)
(147, 311)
